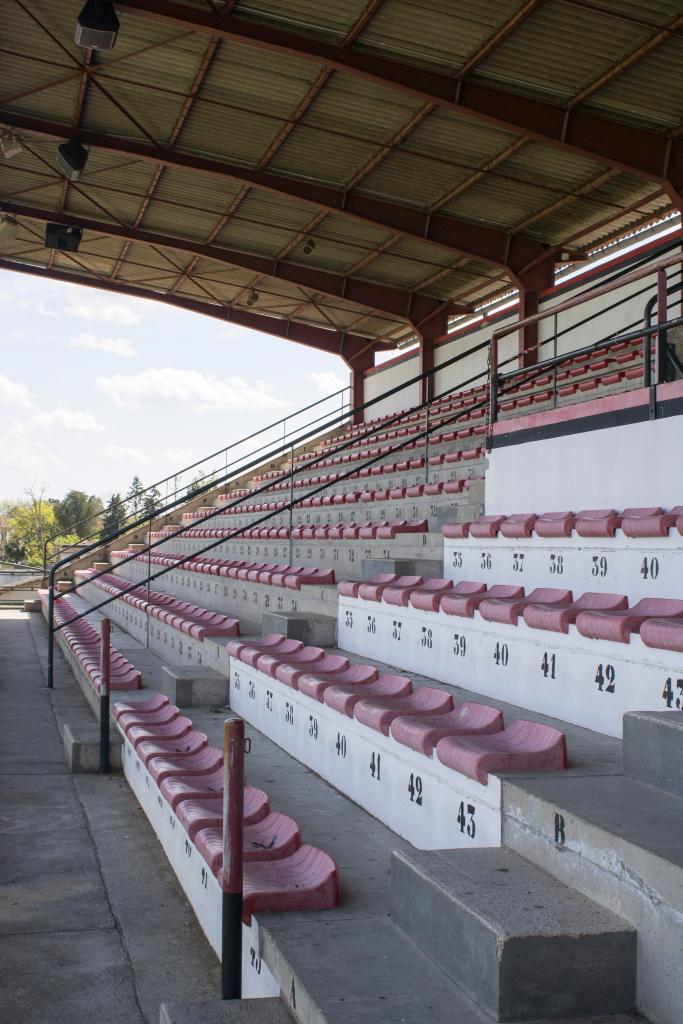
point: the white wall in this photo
(386, 379)
(635, 465)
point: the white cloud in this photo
(327, 382)
(114, 346)
(119, 454)
(171, 386)
(75, 421)
(103, 310)
(13, 393)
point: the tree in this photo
(134, 499)
(30, 526)
(199, 480)
(114, 517)
(78, 513)
(151, 502)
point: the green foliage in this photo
(114, 517)
(151, 502)
(29, 526)
(78, 513)
(135, 500)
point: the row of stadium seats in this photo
(84, 643)
(633, 522)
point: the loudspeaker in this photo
(97, 25)
(71, 159)
(59, 236)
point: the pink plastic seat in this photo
(286, 648)
(559, 618)
(290, 673)
(191, 743)
(424, 732)
(465, 597)
(486, 526)
(599, 522)
(373, 589)
(555, 524)
(399, 592)
(392, 530)
(522, 747)
(161, 766)
(618, 625)
(166, 713)
(235, 647)
(306, 880)
(356, 675)
(274, 837)
(519, 525)
(649, 522)
(268, 663)
(508, 610)
(428, 597)
(378, 713)
(180, 726)
(142, 707)
(455, 531)
(345, 698)
(666, 634)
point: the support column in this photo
(358, 364)
(530, 286)
(429, 331)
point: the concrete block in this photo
(318, 630)
(428, 568)
(653, 749)
(522, 945)
(32, 604)
(242, 1011)
(82, 748)
(193, 686)
(63, 586)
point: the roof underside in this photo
(415, 143)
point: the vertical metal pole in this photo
(51, 630)
(427, 445)
(233, 840)
(493, 379)
(149, 572)
(105, 684)
(647, 346)
(291, 499)
(662, 333)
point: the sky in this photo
(97, 387)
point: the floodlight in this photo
(8, 227)
(252, 297)
(97, 25)
(309, 246)
(59, 236)
(71, 159)
(11, 144)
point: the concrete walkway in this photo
(93, 926)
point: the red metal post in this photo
(105, 686)
(662, 314)
(233, 842)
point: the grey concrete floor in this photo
(93, 925)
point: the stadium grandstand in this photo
(379, 721)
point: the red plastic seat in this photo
(666, 634)
(519, 525)
(424, 732)
(196, 813)
(399, 592)
(290, 673)
(356, 675)
(166, 713)
(428, 596)
(522, 747)
(235, 647)
(373, 589)
(378, 713)
(142, 707)
(559, 618)
(268, 663)
(285, 648)
(191, 743)
(455, 531)
(486, 526)
(598, 522)
(274, 837)
(180, 726)
(555, 524)
(389, 531)
(508, 610)
(649, 522)
(618, 625)
(161, 766)
(465, 597)
(306, 880)
(345, 698)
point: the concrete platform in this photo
(247, 1011)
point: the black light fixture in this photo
(71, 159)
(97, 25)
(59, 236)
(309, 246)
(252, 297)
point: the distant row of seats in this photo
(84, 642)
(279, 873)
(468, 737)
(633, 522)
(386, 529)
(291, 576)
(599, 616)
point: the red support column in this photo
(426, 366)
(358, 364)
(530, 286)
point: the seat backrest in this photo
(466, 587)
(504, 592)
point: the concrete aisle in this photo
(93, 925)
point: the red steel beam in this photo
(334, 342)
(628, 148)
(490, 245)
(379, 297)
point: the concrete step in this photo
(653, 746)
(520, 945)
(242, 1011)
(620, 843)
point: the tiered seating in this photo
(388, 745)
(83, 643)
(178, 779)
(636, 551)
(545, 650)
